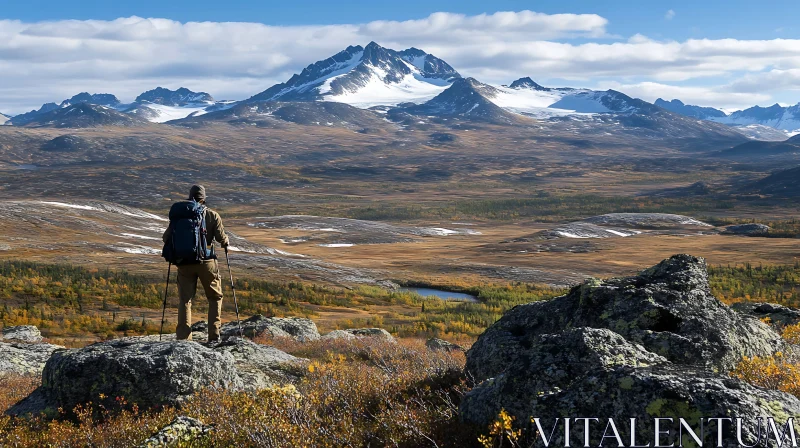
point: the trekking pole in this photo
(233, 288)
(164, 311)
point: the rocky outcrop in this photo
(654, 345)
(583, 372)
(151, 373)
(25, 359)
(777, 314)
(668, 309)
(302, 329)
(339, 334)
(437, 344)
(22, 333)
(182, 431)
(747, 230)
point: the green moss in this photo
(626, 383)
(663, 407)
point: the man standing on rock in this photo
(189, 244)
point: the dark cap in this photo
(197, 193)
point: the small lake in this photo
(26, 167)
(445, 295)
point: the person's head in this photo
(198, 193)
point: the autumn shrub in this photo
(362, 392)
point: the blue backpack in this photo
(188, 240)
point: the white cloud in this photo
(49, 61)
(669, 15)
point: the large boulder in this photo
(298, 328)
(22, 333)
(654, 345)
(668, 309)
(151, 373)
(588, 372)
(747, 230)
(25, 359)
(777, 314)
(182, 431)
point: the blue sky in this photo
(743, 19)
(727, 54)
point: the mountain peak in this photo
(391, 77)
(527, 83)
(167, 97)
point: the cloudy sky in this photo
(726, 54)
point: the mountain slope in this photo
(272, 113)
(465, 98)
(700, 112)
(760, 149)
(368, 76)
(84, 115)
(4, 119)
(784, 183)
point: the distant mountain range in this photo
(749, 120)
(397, 85)
(4, 119)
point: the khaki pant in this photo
(208, 274)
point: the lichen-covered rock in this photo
(777, 314)
(22, 333)
(747, 230)
(339, 334)
(287, 327)
(150, 373)
(261, 366)
(25, 359)
(654, 345)
(437, 344)
(379, 333)
(180, 432)
(586, 372)
(668, 309)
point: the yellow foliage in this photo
(776, 373)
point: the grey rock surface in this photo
(25, 359)
(151, 373)
(747, 230)
(654, 345)
(339, 334)
(371, 333)
(778, 314)
(22, 333)
(437, 344)
(668, 309)
(302, 329)
(180, 432)
(596, 372)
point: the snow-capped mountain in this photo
(754, 122)
(84, 115)
(161, 105)
(175, 98)
(100, 99)
(4, 119)
(158, 105)
(775, 116)
(677, 106)
(466, 98)
(367, 76)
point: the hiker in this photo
(189, 244)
